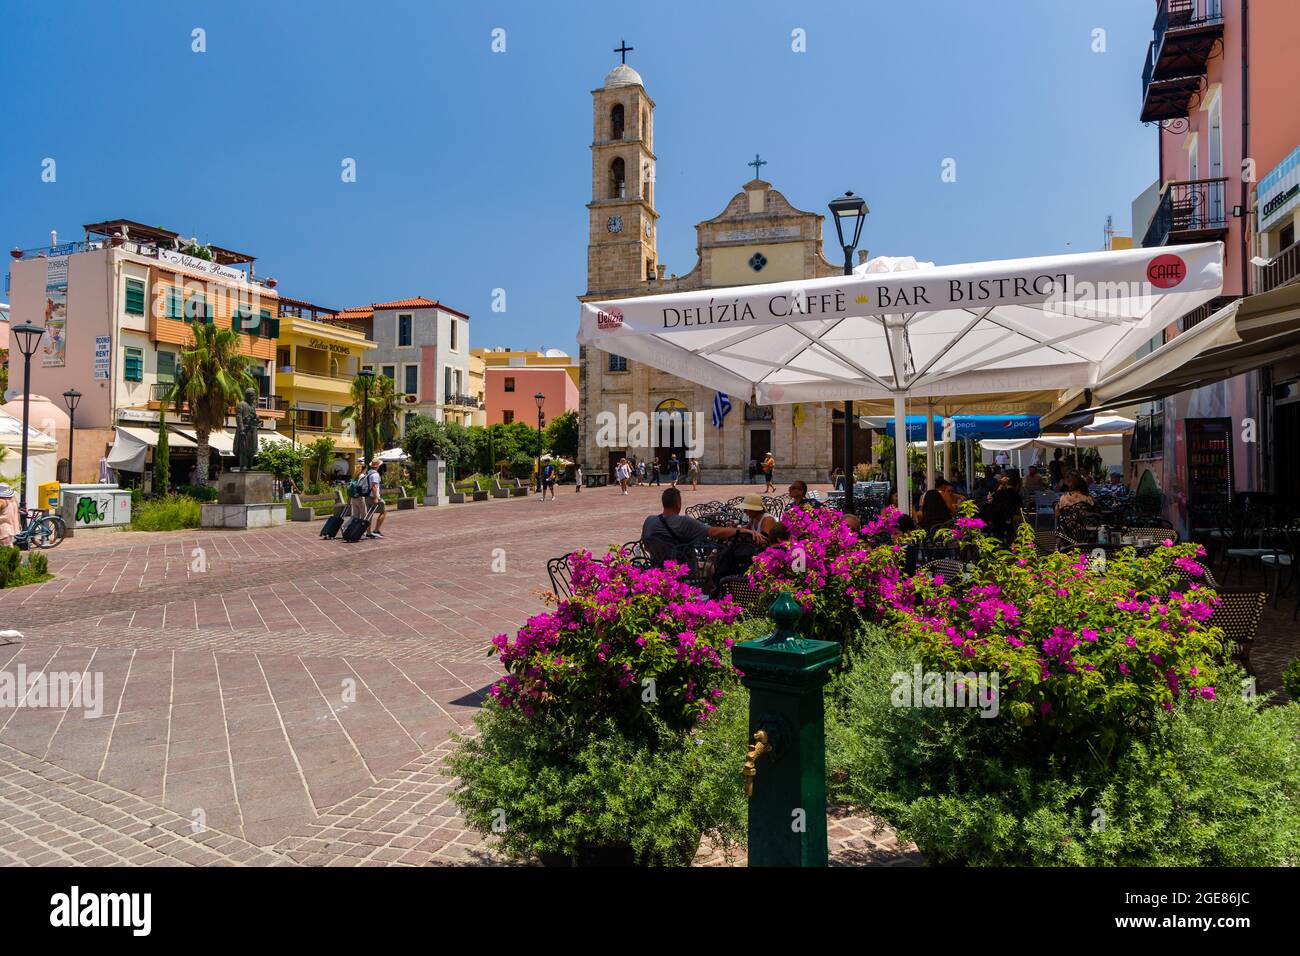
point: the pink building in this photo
(510, 392)
(1217, 82)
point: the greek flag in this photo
(721, 406)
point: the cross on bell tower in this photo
(757, 164)
(623, 49)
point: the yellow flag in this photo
(798, 414)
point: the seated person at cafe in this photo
(1077, 514)
(1034, 481)
(1003, 513)
(1116, 480)
(951, 497)
(798, 492)
(661, 534)
(756, 513)
(933, 513)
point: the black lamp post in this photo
(71, 398)
(366, 378)
(849, 212)
(28, 337)
(540, 399)
(293, 425)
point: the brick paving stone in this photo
(303, 709)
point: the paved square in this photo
(270, 697)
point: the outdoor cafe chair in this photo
(636, 552)
(557, 569)
(695, 511)
(694, 556)
(1238, 615)
(1046, 540)
(743, 593)
(1285, 556)
(949, 567)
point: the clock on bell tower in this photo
(621, 248)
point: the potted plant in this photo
(617, 734)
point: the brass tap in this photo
(761, 746)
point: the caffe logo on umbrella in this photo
(1167, 271)
(610, 318)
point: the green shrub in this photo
(169, 513)
(607, 789)
(1291, 680)
(14, 573)
(199, 492)
(1210, 783)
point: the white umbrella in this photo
(1023, 330)
(392, 454)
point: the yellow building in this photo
(551, 358)
(316, 360)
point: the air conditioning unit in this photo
(410, 399)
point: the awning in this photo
(219, 440)
(1053, 441)
(130, 446)
(1244, 335)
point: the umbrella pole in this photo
(929, 445)
(900, 454)
(848, 457)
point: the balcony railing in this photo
(1200, 314)
(1283, 270)
(1187, 33)
(337, 376)
(1191, 211)
(463, 401)
(158, 391)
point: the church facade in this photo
(757, 237)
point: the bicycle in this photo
(39, 530)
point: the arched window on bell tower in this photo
(617, 179)
(616, 122)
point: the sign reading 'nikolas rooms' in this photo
(1108, 284)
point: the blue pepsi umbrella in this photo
(972, 427)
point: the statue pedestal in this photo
(435, 482)
(245, 499)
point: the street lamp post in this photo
(71, 398)
(293, 425)
(540, 399)
(366, 378)
(849, 212)
(28, 337)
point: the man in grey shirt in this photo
(662, 533)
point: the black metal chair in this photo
(1239, 615)
(561, 575)
(1047, 541)
(1285, 556)
(703, 508)
(636, 552)
(694, 556)
(735, 502)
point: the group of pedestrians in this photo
(631, 471)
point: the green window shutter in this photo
(133, 366)
(166, 366)
(174, 310)
(134, 297)
(275, 328)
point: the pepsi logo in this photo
(1167, 271)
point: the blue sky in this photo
(473, 167)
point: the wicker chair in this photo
(1155, 532)
(1207, 578)
(745, 594)
(1238, 615)
(558, 570)
(1047, 541)
(948, 567)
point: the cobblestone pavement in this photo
(295, 696)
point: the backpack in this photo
(359, 487)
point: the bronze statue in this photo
(246, 431)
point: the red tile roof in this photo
(417, 302)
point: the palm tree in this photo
(213, 375)
(382, 409)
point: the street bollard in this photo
(785, 769)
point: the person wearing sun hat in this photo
(9, 523)
(754, 509)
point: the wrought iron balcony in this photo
(1187, 34)
(1283, 270)
(1149, 435)
(1189, 211)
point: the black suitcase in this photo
(356, 527)
(332, 525)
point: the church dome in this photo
(622, 75)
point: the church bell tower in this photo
(622, 222)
